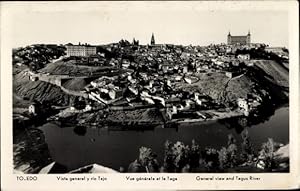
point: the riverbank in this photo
(148, 116)
(120, 147)
(215, 115)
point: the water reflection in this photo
(79, 130)
(240, 123)
(115, 146)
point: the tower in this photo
(248, 38)
(229, 38)
(152, 39)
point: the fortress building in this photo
(241, 40)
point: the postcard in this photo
(152, 95)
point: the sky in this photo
(103, 23)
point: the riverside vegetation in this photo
(180, 157)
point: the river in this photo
(75, 148)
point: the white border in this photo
(186, 181)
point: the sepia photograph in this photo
(120, 89)
(135, 95)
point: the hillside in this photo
(70, 67)
(265, 78)
(276, 72)
(39, 91)
(76, 84)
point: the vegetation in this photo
(179, 157)
(145, 163)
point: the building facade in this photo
(81, 50)
(244, 56)
(241, 40)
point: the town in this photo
(128, 86)
(175, 82)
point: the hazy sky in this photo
(101, 23)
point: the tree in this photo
(266, 153)
(181, 155)
(231, 140)
(223, 159)
(247, 147)
(210, 158)
(231, 151)
(232, 155)
(148, 159)
(194, 154)
(168, 165)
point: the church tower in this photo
(229, 38)
(248, 38)
(152, 39)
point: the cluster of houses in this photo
(37, 55)
(250, 104)
(132, 89)
(177, 59)
(166, 58)
(153, 70)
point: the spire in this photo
(249, 32)
(229, 33)
(152, 39)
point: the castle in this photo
(241, 40)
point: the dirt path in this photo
(224, 91)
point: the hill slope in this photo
(39, 91)
(266, 78)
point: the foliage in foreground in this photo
(179, 157)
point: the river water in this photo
(74, 148)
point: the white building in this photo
(81, 50)
(243, 104)
(31, 109)
(244, 56)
